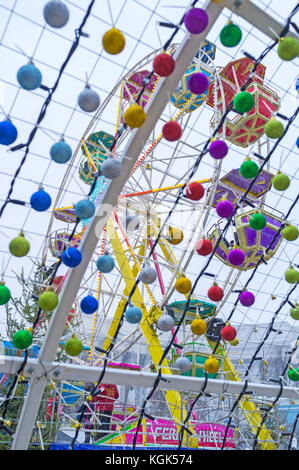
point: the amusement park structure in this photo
(132, 225)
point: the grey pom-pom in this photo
(182, 364)
(111, 168)
(56, 14)
(148, 275)
(88, 100)
(165, 322)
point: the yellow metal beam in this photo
(173, 397)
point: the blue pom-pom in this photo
(40, 200)
(297, 84)
(8, 133)
(29, 77)
(84, 209)
(297, 142)
(89, 304)
(105, 263)
(133, 314)
(61, 152)
(71, 257)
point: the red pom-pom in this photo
(215, 293)
(163, 64)
(172, 131)
(228, 333)
(195, 191)
(203, 247)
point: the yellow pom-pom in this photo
(234, 342)
(7, 422)
(113, 41)
(198, 327)
(134, 116)
(88, 398)
(78, 425)
(183, 285)
(211, 365)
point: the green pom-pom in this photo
(281, 182)
(22, 339)
(243, 102)
(291, 276)
(257, 221)
(73, 346)
(293, 374)
(5, 294)
(274, 129)
(19, 246)
(288, 48)
(290, 233)
(48, 301)
(294, 312)
(249, 169)
(230, 35)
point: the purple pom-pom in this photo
(198, 83)
(196, 20)
(236, 257)
(218, 149)
(246, 298)
(225, 209)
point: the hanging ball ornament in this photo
(71, 257)
(113, 41)
(29, 77)
(236, 257)
(228, 333)
(195, 191)
(48, 300)
(274, 129)
(225, 209)
(89, 304)
(294, 312)
(73, 346)
(281, 182)
(297, 142)
(249, 169)
(105, 263)
(84, 209)
(234, 342)
(293, 374)
(172, 131)
(182, 364)
(257, 221)
(56, 14)
(196, 20)
(22, 339)
(163, 64)
(183, 285)
(215, 293)
(131, 222)
(148, 274)
(198, 83)
(88, 100)
(291, 275)
(5, 294)
(246, 298)
(218, 149)
(243, 102)
(203, 246)
(111, 168)
(230, 35)
(211, 365)
(290, 233)
(288, 48)
(133, 314)
(40, 201)
(19, 246)
(165, 322)
(134, 116)
(8, 133)
(61, 152)
(198, 327)
(176, 235)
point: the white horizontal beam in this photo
(58, 371)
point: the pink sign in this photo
(162, 432)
